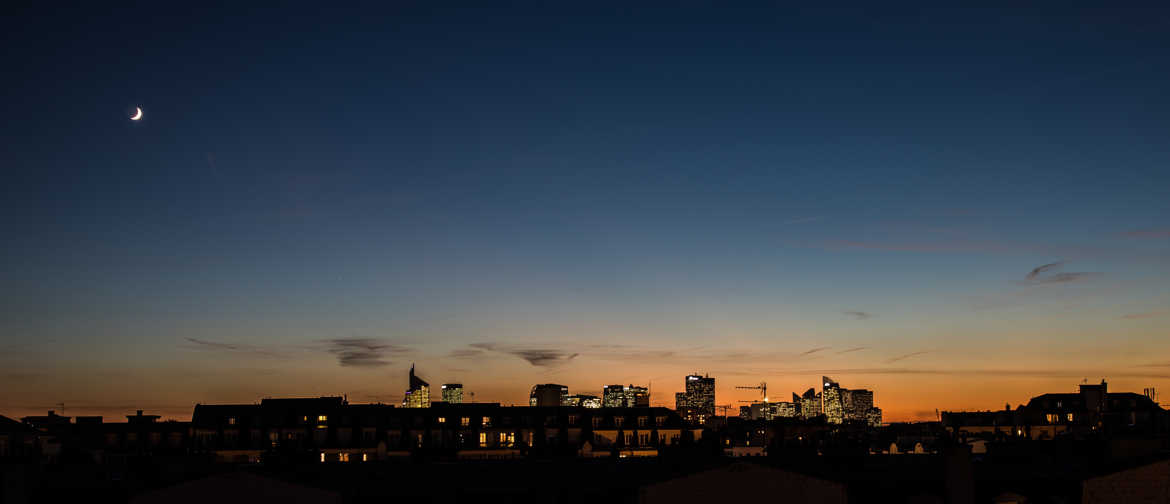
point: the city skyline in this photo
(953, 208)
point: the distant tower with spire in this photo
(419, 393)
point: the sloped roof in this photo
(8, 425)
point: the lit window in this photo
(322, 418)
(322, 457)
(365, 457)
(345, 457)
(465, 421)
(482, 439)
(231, 420)
(442, 419)
(503, 438)
(487, 421)
(1070, 417)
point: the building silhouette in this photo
(548, 394)
(1092, 411)
(452, 393)
(419, 393)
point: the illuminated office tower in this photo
(582, 400)
(831, 404)
(625, 396)
(810, 404)
(700, 392)
(784, 410)
(419, 393)
(873, 417)
(453, 393)
(857, 404)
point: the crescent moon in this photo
(137, 114)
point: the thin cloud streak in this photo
(814, 350)
(205, 345)
(858, 315)
(1049, 274)
(802, 220)
(1143, 315)
(851, 350)
(906, 356)
(1148, 233)
(1014, 373)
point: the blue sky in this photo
(683, 180)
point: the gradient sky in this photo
(586, 195)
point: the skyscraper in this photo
(831, 403)
(697, 403)
(857, 404)
(701, 396)
(625, 396)
(419, 393)
(453, 393)
(810, 404)
(548, 394)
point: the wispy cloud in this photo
(1050, 273)
(1156, 364)
(363, 352)
(930, 246)
(1148, 233)
(814, 350)
(542, 357)
(858, 315)
(205, 345)
(1033, 373)
(802, 220)
(851, 350)
(906, 356)
(465, 353)
(1149, 314)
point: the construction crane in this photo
(762, 387)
